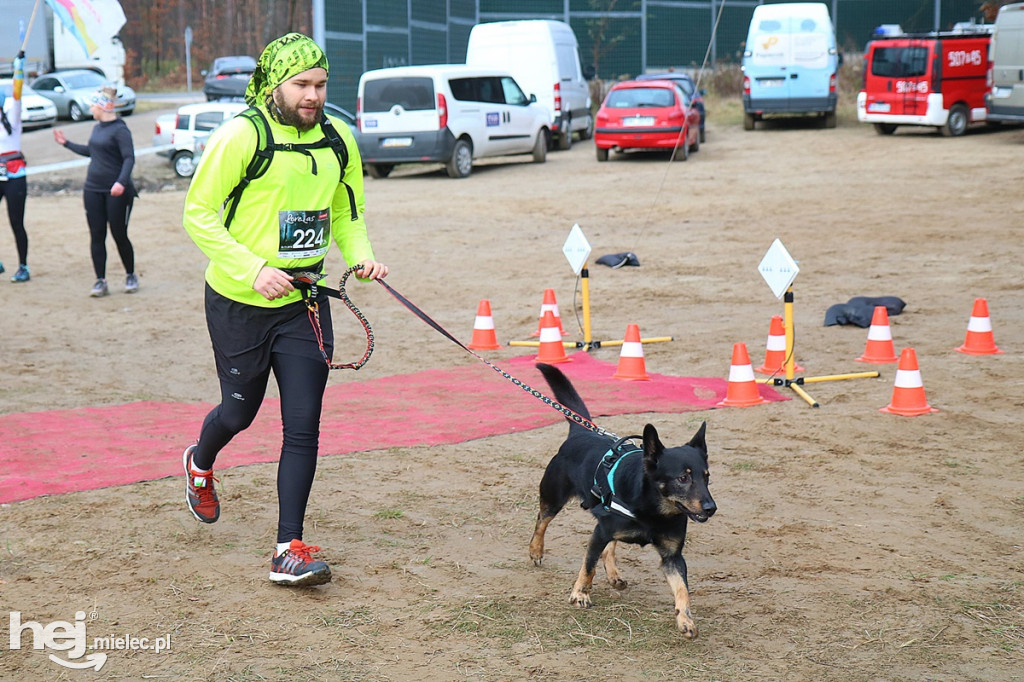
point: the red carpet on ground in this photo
(59, 451)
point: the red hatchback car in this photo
(647, 116)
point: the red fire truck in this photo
(937, 79)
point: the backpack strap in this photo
(258, 164)
(265, 148)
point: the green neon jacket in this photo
(273, 209)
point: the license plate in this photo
(391, 142)
(637, 121)
(771, 82)
(881, 107)
(1001, 93)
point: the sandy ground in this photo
(849, 544)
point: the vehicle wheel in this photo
(183, 165)
(830, 119)
(885, 128)
(460, 165)
(75, 112)
(956, 125)
(540, 147)
(602, 154)
(565, 139)
(748, 121)
(681, 153)
(588, 132)
(378, 171)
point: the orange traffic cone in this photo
(979, 339)
(551, 349)
(631, 357)
(775, 355)
(483, 329)
(908, 392)
(742, 390)
(879, 349)
(549, 304)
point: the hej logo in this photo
(59, 635)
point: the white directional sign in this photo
(778, 268)
(576, 249)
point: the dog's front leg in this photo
(610, 569)
(580, 595)
(674, 568)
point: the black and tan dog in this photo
(639, 494)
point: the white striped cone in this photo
(551, 349)
(483, 329)
(742, 389)
(979, 339)
(908, 399)
(549, 305)
(631, 357)
(879, 348)
(775, 353)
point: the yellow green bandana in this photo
(283, 58)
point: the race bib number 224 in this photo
(304, 234)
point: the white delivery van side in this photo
(445, 113)
(543, 56)
(790, 63)
(1005, 99)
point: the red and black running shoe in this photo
(296, 567)
(200, 494)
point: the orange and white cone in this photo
(483, 328)
(775, 354)
(549, 304)
(879, 349)
(908, 398)
(979, 340)
(742, 389)
(551, 349)
(631, 357)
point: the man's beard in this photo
(292, 117)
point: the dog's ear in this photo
(652, 447)
(698, 441)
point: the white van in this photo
(544, 58)
(1005, 101)
(790, 63)
(447, 113)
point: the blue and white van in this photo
(790, 63)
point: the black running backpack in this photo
(264, 154)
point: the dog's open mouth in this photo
(699, 517)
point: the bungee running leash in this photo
(306, 282)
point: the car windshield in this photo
(84, 80)
(640, 98)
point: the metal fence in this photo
(620, 38)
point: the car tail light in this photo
(746, 85)
(442, 111)
(832, 83)
(558, 98)
(359, 113)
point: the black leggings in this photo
(301, 382)
(15, 190)
(101, 209)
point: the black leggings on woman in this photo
(14, 191)
(102, 209)
(301, 382)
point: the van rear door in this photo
(898, 75)
(393, 108)
(770, 56)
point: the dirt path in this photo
(849, 544)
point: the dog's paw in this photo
(580, 599)
(618, 583)
(537, 560)
(686, 625)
